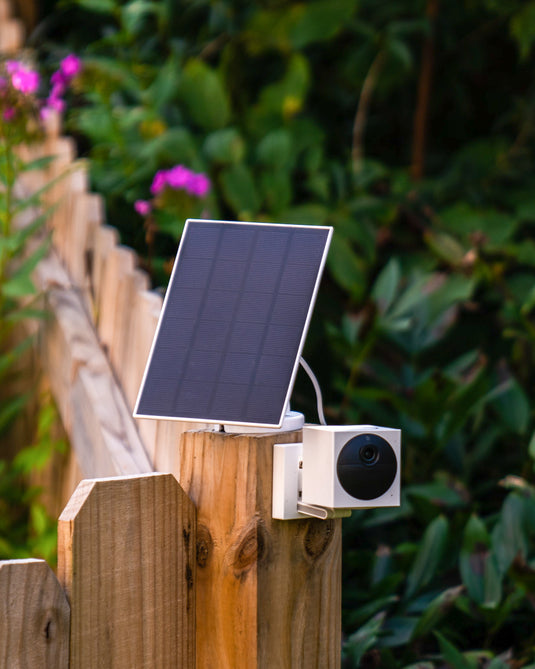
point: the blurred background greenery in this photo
(409, 126)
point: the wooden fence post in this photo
(34, 617)
(268, 591)
(126, 554)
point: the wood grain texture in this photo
(34, 617)
(120, 261)
(91, 403)
(268, 591)
(106, 239)
(126, 557)
(11, 36)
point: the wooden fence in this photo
(152, 573)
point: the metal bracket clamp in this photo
(287, 487)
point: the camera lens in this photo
(369, 454)
(366, 466)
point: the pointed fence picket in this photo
(125, 594)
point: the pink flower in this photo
(55, 103)
(70, 66)
(179, 177)
(159, 182)
(58, 80)
(3, 82)
(143, 207)
(9, 113)
(199, 185)
(24, 80)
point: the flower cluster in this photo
(20, 108)
(178, 178)
(69, 67)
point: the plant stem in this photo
(361, 116)
(421, 115)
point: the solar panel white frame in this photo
(295, 366)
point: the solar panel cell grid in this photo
(233, 322)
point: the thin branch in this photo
(361, 116)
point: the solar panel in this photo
(233, 323)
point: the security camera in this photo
(336, 469)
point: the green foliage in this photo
(305, 113)
(25, 528)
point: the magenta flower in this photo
(9, 113)
(179, 177)
(199, 185)
(143, 207)
(24, 80)
(70, 66)
(159, 182)
(59, 81)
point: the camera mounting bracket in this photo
(287, 487)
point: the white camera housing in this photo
(336, 475)
(337, 468)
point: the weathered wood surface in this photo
(91, 403)
(268, 591)
(34, 617)
(126, 558)
(11, 30)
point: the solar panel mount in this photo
(233, 323)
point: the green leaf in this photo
(522, 28)
(451, 655)
(386, 285)
(204, 95)
(401, 52)
(133, 14)
(346, 267)
(224, 146)
(164, 87)
(445, 246)
(299, 24)
(101, 6)
(513, 407)
(478, 565)
(239, 190)
(10, 409)
(489, 226)
(428, 557)
(276, 188)
(306, 214)
(398, 631)
(320, 20)
(509, 538)
(18, 286)
(286, 97)
(363, 639)
(275, 149)
(435, 611)
(171, 147)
